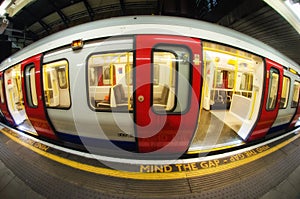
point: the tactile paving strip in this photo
(54, 180)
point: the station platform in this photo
(30, 168)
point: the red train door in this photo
(3, 104)
(296, 117)
(167, 92)
(271, 100)
(33, 95)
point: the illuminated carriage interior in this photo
(110, 81)
(231, 96)
(231, 92)
(111, 86)
(15, 101)
(232, 89)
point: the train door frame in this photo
(14, 94)
(4, 106)
(296, 116)
(170, 132)
(36, 112)
(268, 115)
(286, 113)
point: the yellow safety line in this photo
(241, 162)
(149, 176)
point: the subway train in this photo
(150, 84)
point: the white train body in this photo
(77, 91)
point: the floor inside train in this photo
(30, 168)
(213, 132)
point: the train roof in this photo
(150, 25)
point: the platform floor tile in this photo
(12, 187)
(287, 189)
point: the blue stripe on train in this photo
(278, 128)
(98, 143)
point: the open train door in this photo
(3, 105)
(167, 92)
(271, 100)
(33, 95)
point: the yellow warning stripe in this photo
(149, 176)
(247, 160)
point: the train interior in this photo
(110, 81)
(231, 95)
(15, 101)
(56, 84)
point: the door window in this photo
(285, 92)
(170, 74)
(1, 90)
(295, 94)
(30, 86)
(273, 89)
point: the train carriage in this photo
(150, 84)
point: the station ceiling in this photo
(40, 18)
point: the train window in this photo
(246, 82)
(295, 94)
(230, 80)
(156, 74)
(219, 76)
(170, 72)
(56, 84)
(108, 75)
(273, 89)
(285, 92)
(1, 90)
(30, 86)
(62, 78)
(110, 81)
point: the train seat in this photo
(163, 99)
(119, 100)
(119, 94)
(105, 103)
(241, 112)
(221, 100)
(282, 102)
